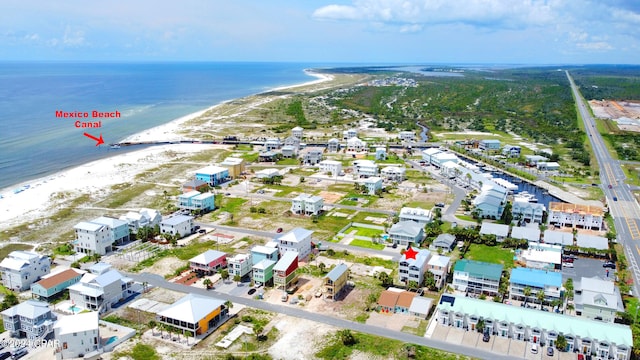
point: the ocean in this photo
(34, 142)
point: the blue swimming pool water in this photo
(74, 309)
(111, 339)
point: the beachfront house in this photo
(100, 289)
(213, 175)
(305, 204)
(20, 269)
(421, 216)
(297, 240)
(365, 168)
(406, 233)
(263, 272)
(335, 282)
(208, 262)
(333, 145)
(178, 224)
(477, 277)
(30, 319)
(240, 265)
(143, 218)
(78, 336)
(52, 285)
(92, 238)
(196, 202)
(234, 165)
(330, 167)
(118, 229)
(195, 314)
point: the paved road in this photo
(159, 281)
(622, 205)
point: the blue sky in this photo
(360, 31)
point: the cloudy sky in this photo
(360, 31)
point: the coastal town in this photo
(282, 243)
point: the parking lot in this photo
(586, 267)
(499, 345)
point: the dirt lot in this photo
(330, 197)
(609, 109)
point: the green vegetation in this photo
(8, 248)
(420, 330)
(342, 344)
(362, 231)
(366, 244)
(490, 254)
(139, 352)
(231, 205)
(371, 261)
(288, 161)
(124, 194)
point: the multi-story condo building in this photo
(532, 326)
(212, 175)
(477, 277)
(491, 201)
(20, 269)
(527, 211)
(118, 229)
(576, 215)
(92, 238)
(525, 284)
(196, 201)
(330, 167)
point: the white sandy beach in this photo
(98, 176)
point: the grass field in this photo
(490, 254)
(366, 244)
(361, 231)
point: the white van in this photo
(534, 348)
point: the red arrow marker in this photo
(99, 140)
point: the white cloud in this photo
(595, 46)
(337, 12)
(73, 38)
(411, 28)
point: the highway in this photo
(295, 311)
(622, 205)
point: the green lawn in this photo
(490, 254)
(366, 244)
(231, 205)
(361, 231)
(291, 161)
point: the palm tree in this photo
(237, 278)
(322, 267)
(224, 274)
(208, 283)
(527, 293)
(540, 296)
(152, 325)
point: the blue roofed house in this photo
(477, 277)
(536, 280)
(489, 145)
(407, 232)
(213, 175)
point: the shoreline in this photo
(97, 176)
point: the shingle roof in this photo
(388, 298)
(405, 298)
(58, 278)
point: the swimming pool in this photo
(74, 309)
(111, 339)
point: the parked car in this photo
(550, 350)
(440, 205)
(279, 230)
(609, 264)
(5, 355)
(486, 337)
(567, 264)
(251, 291)
(19, 352)
(284, 297)
(534, 348)
(202, 231)
(610, 187)
(615, 198)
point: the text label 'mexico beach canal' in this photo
(85, 115)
